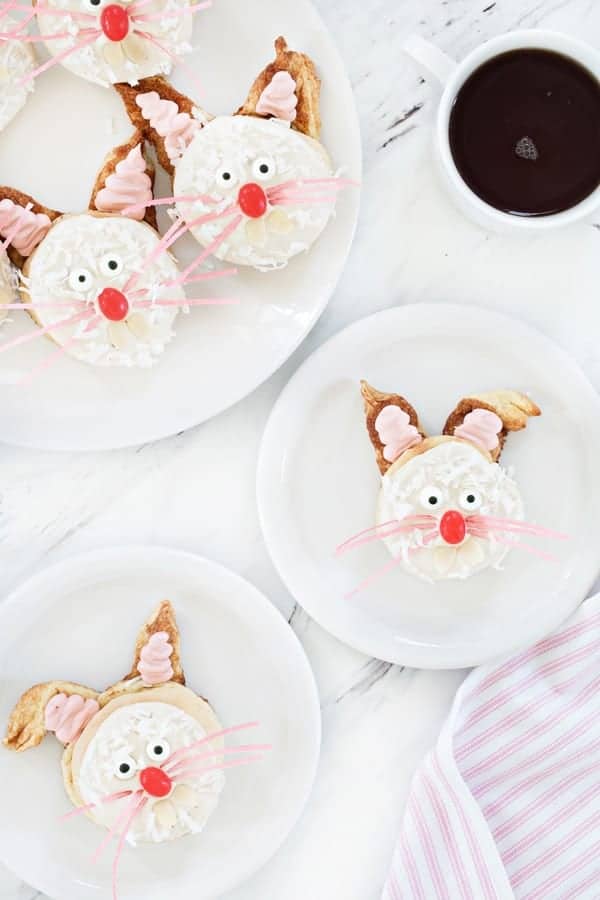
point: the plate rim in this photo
(113, 553)
(411, 654)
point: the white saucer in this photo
(78, 620)
(318, 483)
(219, 354)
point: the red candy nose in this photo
(252, 200)
(114, 21)
(155, 781)
(453, 527)
(113, 304)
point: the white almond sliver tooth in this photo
(279, 222)
(135, 48)
(165, 813)
(443, 558)
(256, 232)
(113, 53)
(119, 335)
(185, 796)
(138, 326)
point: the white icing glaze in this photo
(16, 61)
(85, 242)
(126, 734)
(107, 62)
(449, 469)
(8, 284)
(234, 144)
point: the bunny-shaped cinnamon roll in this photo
(102, 41)
(446, 508)
(255, 188)
(101, 284)
(144, 758)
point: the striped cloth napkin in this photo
(508, 803)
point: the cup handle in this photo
(430, 57)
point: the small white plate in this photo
(318, 483)
(78, 620)
(53, 150)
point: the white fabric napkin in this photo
(507, 805)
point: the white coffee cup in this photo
(452, 76)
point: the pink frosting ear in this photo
(279, 98)
(155, 660)
(129, 185)
(177, 129)
(21, 227)
(395, 432)
(68, 716)
(481, 427)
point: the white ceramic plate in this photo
(52, 151)
(79, 620)
(318, 483)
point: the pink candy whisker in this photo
(377, 532)
(225, 751)
(389, 566)
(224, 732)
(25, 338)
(110, 798)
(123, 815)
(151, 17)
(497, 523)
(89, 39)
(195, 771)
(121, 844)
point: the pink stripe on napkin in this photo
(508, 804)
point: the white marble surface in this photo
(411, 246)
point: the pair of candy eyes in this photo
(433, 497)
(157, 751)
(263, 168)
(110, 265)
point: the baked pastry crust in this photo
(111, 161)
(374, 401)
(512, 407)
(26, 727)
(308, 88)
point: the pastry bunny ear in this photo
(289, 88)
(392, 423)
(486, 419)
(126, 179)
(168, 119)
(23, 223)
(157, 658)
(58, 706)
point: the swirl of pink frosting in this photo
(481, 427)
(395, 432)
(68, 716)
(176, 128)
(155, 660)
(279, 98)
(128, 185)
(25, 228)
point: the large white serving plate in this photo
(318, 484)
(78, 620)
(52, 151)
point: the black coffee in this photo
(525, 132)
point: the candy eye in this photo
(470, 500)
(111, 264)
(225, 177)
(158, 751)
(263, 168)
(431, 497)
(125, 767)
(91, 4)
(80, 279)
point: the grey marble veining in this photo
(411, 246)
